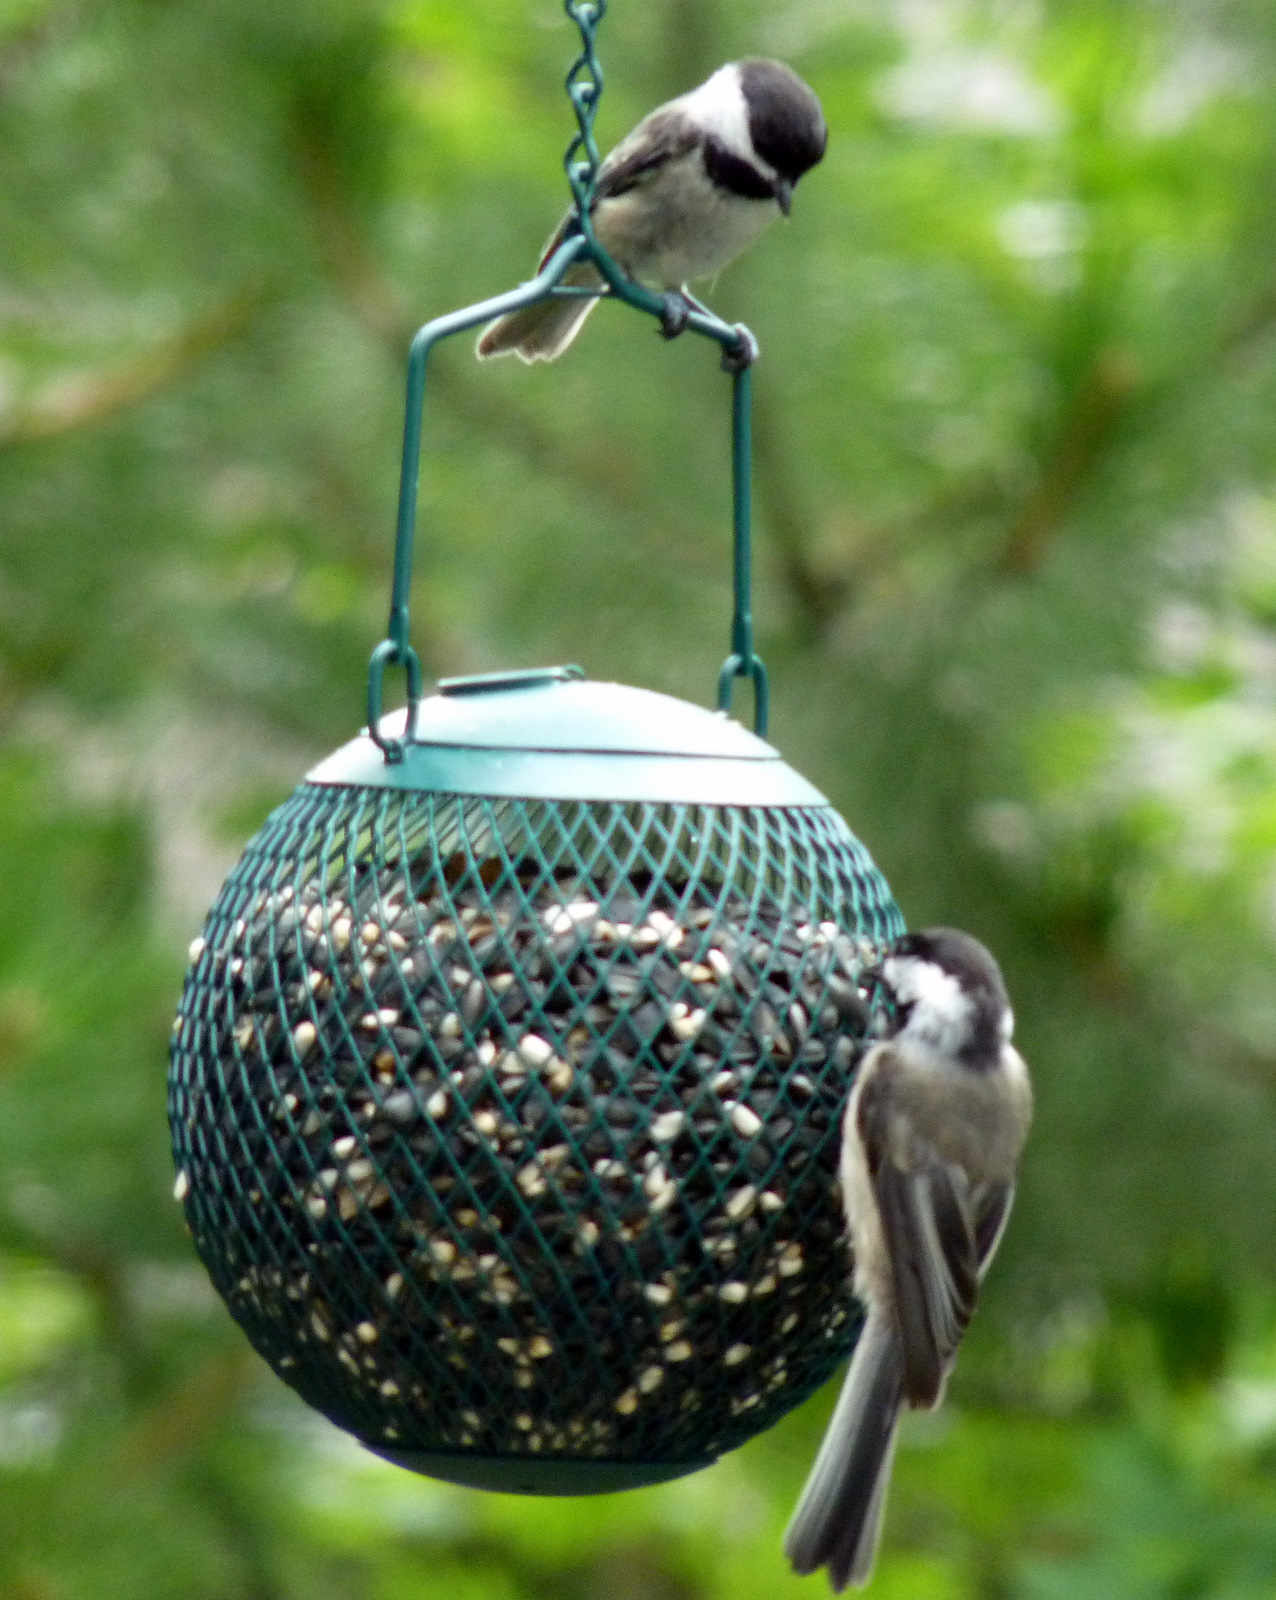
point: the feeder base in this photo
(532, 1475)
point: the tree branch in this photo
(82, 399)
(817, 595)
(1099, 405)
(376, 304)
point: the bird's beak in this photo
(783, 191)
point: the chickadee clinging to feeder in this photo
(690, 188)
(930, 1143)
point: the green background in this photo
(1016, 485)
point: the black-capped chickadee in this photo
(690, 188)
(930, 1144)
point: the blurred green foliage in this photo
(1016, 479)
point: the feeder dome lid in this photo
(552, 734)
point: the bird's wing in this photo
(940, 1230)
(658, 139)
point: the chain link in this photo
(584, 84)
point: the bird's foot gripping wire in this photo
(675, 313)
(743, 353)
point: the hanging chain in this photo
(584, 84)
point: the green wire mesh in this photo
(508, 1128)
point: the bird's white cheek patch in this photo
(718, 104)
(942, 1009)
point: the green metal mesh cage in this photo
(507, 1128)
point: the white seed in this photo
(656, 1180)
(628, 1402)
(734, 1293)
(539, 1347)
(667, 1125)
(689, 1026)
(390, 1390)
(735, 1355)
(790, 1262)
(746, 1122)
(450, 1026)
(660, 1294)
(304, 1037)
(182, 1187)
(770, 1201)
(589, 1233)
(765, 1284)
(366, 1332)
(486, 1052)
(194, 950)
(317, 1206)
(790, 1322)
(722, 1081)
(531, 1180)
(244, 1033)
(437, 1104)
(679, 1350)
(360, 1171)
(345, 1147)
(508, 1347)
(534, 1051)
(341, 930)
(319, 1324)
(740, 1202)
(394, 1285)
(442, 1251)
(314, 920)
(650, 1378)
(719, 962)
(487, 1122)
(558, 1076)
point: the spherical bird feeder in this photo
(507, 1075)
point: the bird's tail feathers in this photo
(839, 1515)
(541, 332)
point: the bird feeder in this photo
(507, 1076)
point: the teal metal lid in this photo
(551, 734)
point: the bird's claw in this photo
(743, 353)
(675, 314)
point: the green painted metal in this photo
(508, 1128)
(540, 1475)
(548, 735)
(584, 86)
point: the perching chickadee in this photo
(930, 1143)
(690, 188)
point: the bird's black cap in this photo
(786, 121)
